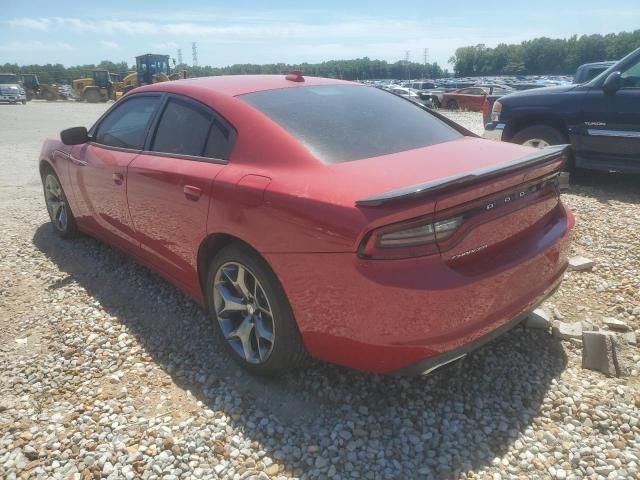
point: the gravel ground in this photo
(107, 371)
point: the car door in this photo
(169, 185)
(98, 168)
(611, 125)
(473, 98)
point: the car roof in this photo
(598, 64)
(232, 85)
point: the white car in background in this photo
(10, 89)
(412, 95)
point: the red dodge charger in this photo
(318, 217)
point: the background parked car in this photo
(600, 118)
(412, 95)
(10, 89)
(589, 71)
(470, 98)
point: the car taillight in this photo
(413, 238)
(495, 111)
(485, 107)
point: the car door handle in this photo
(118, 178)
(77, 161)
(191, 192)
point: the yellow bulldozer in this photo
(96, 88)
(150, 68)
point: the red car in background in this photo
(470, 98)
(473, 98)
(318, 217)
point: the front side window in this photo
(631, 76)
(126, 125)
(340, 123)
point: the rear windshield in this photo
(339, 123)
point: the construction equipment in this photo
(150, 68)
(94, 89)
(40, 91)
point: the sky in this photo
(252, 31)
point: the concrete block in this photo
(629, 338)
(567, 330)
(539, 318)
(579, 263)
(615, 324)
(601, 351)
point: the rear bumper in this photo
(493, 131)
(429, 365)
(411, 315)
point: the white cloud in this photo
(41, 24)
(231, 35)
(109, 44)
(35, 46)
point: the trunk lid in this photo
(498, 191)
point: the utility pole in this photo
(426, 61)
(179, 56)
(194, 54)
(406, 61)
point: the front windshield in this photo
(8, 78)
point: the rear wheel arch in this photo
(208, 249)
(520, 123)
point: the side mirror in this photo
(613, 83)
(74, 136)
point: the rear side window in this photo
(185, 128)
(340, 123)
(126, 125)
(220, 140)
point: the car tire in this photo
(539, 136)
(24, 102)
(93, 96)
(452, 105)
(436, 102)
(60, 214)
(258, 329)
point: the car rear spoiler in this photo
(544, 155)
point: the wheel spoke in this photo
(259, 297)
(241, 282)
(262, 331)
(56, 208)
(243, 333)
(231, 303)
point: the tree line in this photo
(540, 56)
(357, 69)
(543, 56)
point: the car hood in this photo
(541, 91)
(10, 86)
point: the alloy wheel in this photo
(56, 204)
(536, 143)
(244, 312)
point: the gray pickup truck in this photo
(10, 89)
